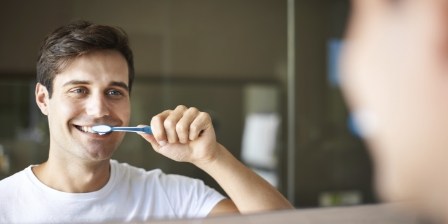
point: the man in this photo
(395, 77)
(85, 74)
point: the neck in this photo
(73, 177)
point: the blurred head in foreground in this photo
(395, 79)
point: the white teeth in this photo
(86, 129)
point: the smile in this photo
(86, 129)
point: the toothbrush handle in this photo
(146, 129)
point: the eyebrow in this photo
(82, 82)
(120, 84)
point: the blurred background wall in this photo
(226, 57)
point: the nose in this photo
(97, 106)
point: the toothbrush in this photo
(104, 129)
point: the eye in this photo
(114, 92)
(78, 90)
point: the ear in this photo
(42, 98)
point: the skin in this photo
(93, 89)
(395, 79)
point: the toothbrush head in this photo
(101, 129)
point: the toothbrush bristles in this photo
(90, 130)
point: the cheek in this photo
(63, 107)
(127, 116)
(123, 110)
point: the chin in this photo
(101, 152)
(100, 156)
(423, 205)
(390, 187)
(403, 194)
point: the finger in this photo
(150, 138)
(183, 126)
(158, 129)
(171, 122)
(200, 124)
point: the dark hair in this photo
(75, 39)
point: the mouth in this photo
(88, 129)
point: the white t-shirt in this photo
(131, 194)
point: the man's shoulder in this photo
(14, 181)
(16, 176)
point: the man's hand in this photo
(187, 135)
(184, 135)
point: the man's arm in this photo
(224, 207)
(248, 191)
(187, 135)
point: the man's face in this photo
(92, 90)
(396, 82)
